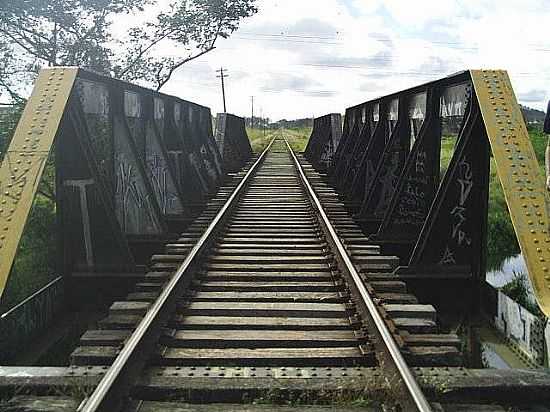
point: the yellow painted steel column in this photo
(24, 161)
(519, 173)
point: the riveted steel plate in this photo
(24, 162)
(266, 372)
(519, 174)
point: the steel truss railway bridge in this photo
(323, 280)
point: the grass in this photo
(297, 137)
(502, 241)
(517, 290)
(35, 261)
(259, 138)
(501, 237)
(447, 149)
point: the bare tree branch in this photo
(179, 64)
(78, 32)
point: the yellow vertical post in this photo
(519, 173)
(24, 161)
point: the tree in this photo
(193, 25)
(62, 32)
(36, 33)
(11, 72)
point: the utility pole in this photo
(252, 118)
(223, 76)
(262, 121)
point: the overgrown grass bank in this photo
(502, 241)
(297, 137)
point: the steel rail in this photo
(414, 398)
(109, 395)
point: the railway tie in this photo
(280, 300)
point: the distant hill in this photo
(298, 123)
(533, 116)
(450, 125)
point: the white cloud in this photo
(311, 57)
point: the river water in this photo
(496, 354)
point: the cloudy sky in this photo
(303, 58)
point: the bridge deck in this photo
(269, 315)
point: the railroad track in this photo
(273, 295)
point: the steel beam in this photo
(232, 140)
(437, 223)
(25, 159)
(519, 173)
(325, 138)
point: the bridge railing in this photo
(324, 139)
(388, 169)
(232, 141)
(129, 164)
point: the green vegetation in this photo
(517, 290)
(501, 238)
(502, 241)
(297, 137)
(260, 138)
(35, 262)
(447, 149)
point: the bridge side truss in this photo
(128, 161)
(388, 169)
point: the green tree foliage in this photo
(37, 33)
(193, 26)
(35, 262)
(9, 116)
(518, 290)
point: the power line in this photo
(308, 39)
